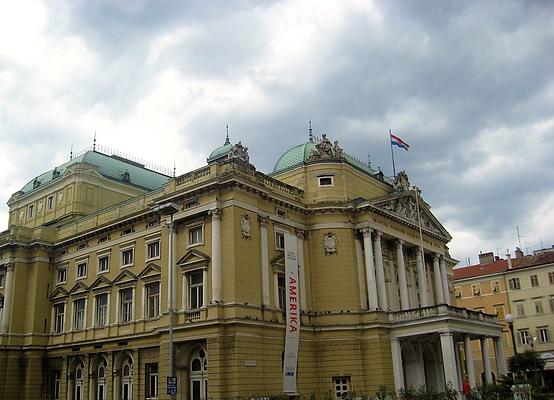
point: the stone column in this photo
(8, 289)
(266, 301)
(486, 359)
(361, 275)
(216, 256)
(421, 277)
(444, 279)
(301, 276)
(449, 359)
(500, 357)
(470, 368)
(397, 368)
(404, 298)
(438, 280)
(380, 272)
(370, 270)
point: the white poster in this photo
(293, 315)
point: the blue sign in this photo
(171, 385)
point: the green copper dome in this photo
(294, 157)
(221, 151)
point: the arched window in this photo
(101, 381)
(199, 375)
(79, 381)
(127, 380)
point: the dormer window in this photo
(325, 180)
(126, 176)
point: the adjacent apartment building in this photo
(119, 282)
(522, 286)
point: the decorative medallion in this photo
(330, 243)
(245, 226)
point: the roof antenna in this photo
(368, 161)
(94, 142)
(311, 135)
(174, 168)
(71, 153)
(227, 137)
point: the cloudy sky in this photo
(469, 85)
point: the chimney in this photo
(509, 258)
(519, 253)
(486, 258)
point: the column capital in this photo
(9, 266)
(399, 242)
(263, 220)
(378, 234)
(215, 213)
(300, 233)
(366, 232)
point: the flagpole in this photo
(392, 154)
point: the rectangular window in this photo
(281, 290)
(514, 284)
(30, 211)
(341, 386)
(499, 310)
(127, 231)
(127, 257)
(79, 314)
(62, 275)
(59, 317)
(196, 289)
(1, 281)
(523, 336)
(551, 301)
(280, 240)
(534, 279)
(50, 202)
(151, 381)
(153, 300)
(325, 180)
(56, 382)
(520, 309)
(126, 302)
(476, 289)
(551, 277)
(543, 335)
(153, 222)
(538, 307)
(101, 310)
(103, 263)
(153, 250)
(196, 235)
(82, 246)
(495, 286)
(458, 292)
(81, 270)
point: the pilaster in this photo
(380, 272)
(370, 270)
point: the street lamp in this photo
(170, 209)
(509, 318)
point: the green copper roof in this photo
(109, 166)
(221, 151)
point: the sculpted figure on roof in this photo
(239, 151)
(401, 182)
(326, 149)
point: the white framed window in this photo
(50, 202)
(153, 249)
(551, 301)
(101, 313)
(341, 386)
(551, 277)
(538, 307)
(56, 383)
(520, 309)
(325, 180)
(126, 305)
(495, 286)
(153, 300)
(544, 336)
(523, 336)
(476, 289)
(103, 263)
(152, 223)
(152, 381)
(195, 235)
(458, 292)
(279, 240)
(534, 280)
(62, 275)
(127, 231)
(79, 306)
(281, 290)
(514, 284)
(59, 317)
(81, 269)
(195, 280)
(127, 256)
(30, 211)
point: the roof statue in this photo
(240, 152)
(326, 150)
(401, 182)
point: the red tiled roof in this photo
(502, 265)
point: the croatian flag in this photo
(399, 142)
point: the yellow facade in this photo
(85, 283)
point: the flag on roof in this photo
(399, 142)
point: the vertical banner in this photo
(293, 314)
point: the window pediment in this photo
(278, 263)
(151, 270)
(125, 277)
(58, 293)
(193, 259)
(101, 283)
(79, 288)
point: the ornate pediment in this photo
(79, 288)
(150, 271)
(404, 206)
(58, 293)
(278, 263)
(125, 277)
(101, 283)
(193, 259)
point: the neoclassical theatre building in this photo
(101, 252)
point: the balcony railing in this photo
(440, 310)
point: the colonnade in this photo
(375, 274)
